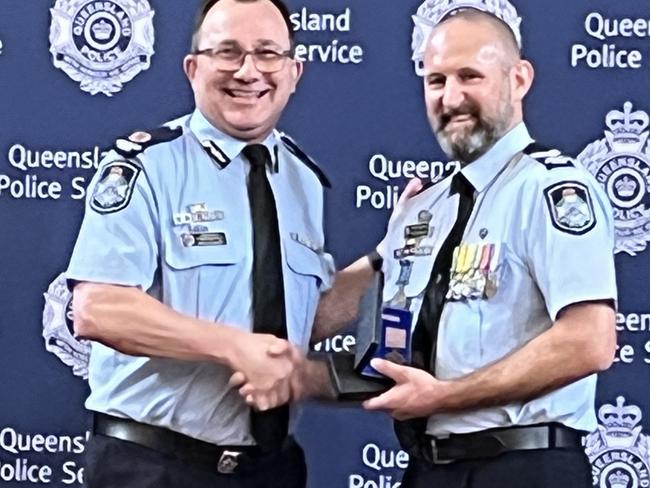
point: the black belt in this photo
(222, 459)
(491, 443)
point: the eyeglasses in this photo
(232, 58)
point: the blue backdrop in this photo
(69, 86)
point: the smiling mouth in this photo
(245, 94)
(461, 119)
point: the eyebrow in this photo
(227, 43)
(430, 76)
(267, 43)
(465, 70)
(468, 70)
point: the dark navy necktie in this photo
(269, 315)
(425, 336)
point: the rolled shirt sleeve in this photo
(329, 271)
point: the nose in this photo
(247, 71)
(453, 95)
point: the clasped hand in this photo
(268, 372)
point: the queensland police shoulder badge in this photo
(58, 329)
(102, 44)
(115, 186)
(570, 207)
(621, 164)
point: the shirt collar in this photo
(482, 171)
(229, 146)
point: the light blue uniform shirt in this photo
(548, 228)
(145, 235)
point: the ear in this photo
(296, 73)
(189, 66)
(523, 76)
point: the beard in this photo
(467, 144)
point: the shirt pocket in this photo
(307, 270)
(206, 281)
(420, 276)
(179, 257)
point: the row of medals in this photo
(473, 271)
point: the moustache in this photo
(465, 109)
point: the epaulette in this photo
(134, 144)
(300, 154)
(551, 158)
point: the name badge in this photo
(204, 239)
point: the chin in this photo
(461, 136)
(249, 132)
(246, 119)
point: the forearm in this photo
(340, 305)
(568, 351)
(316, 381)
(134, 323)
(534, 370)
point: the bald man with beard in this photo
(503, 378)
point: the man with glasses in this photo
(207, 259)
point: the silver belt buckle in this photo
(434, 454)
(228, 462)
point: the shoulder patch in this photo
(300, 154)
(570, 207)
(551, 158)
(132, 145)
(115, 187)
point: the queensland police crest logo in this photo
(102, 44)
(621, 164)
(115, 187)
(569, 204)
(618, 451)
(58, 328)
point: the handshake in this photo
(269, 372)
